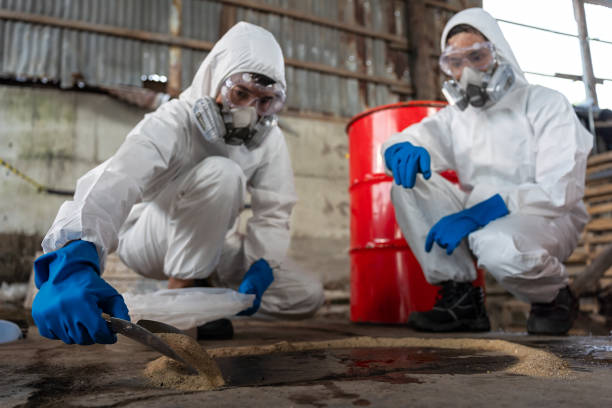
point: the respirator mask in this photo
(477, 75)
(247, 114)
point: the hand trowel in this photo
(144, 336)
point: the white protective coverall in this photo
(168, 200)
(531, 149)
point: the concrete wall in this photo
(55, 136)
(320, 223)
(319, 156)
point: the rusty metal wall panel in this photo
(70, 57)
(379, 95)
(190, 62)
(8, 51)
(73, 58)
(21, 43)
(201, 19)
(348, 89)
(186, 68)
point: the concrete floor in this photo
(36, 372)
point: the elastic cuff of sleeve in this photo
(493, 208)
(80, 251)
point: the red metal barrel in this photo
(387, 283)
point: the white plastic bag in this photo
(188, 307)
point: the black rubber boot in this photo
(554, 318)
(459, 307)
(221, 329)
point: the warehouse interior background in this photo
(77, 75)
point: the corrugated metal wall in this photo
(306, 41)
(71, 57)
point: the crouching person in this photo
(168, 201)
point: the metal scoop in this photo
(158, 327)
(144, 336)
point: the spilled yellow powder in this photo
(531, 362)
(165, 372)
(168, 373)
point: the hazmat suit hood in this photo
(244, 48)
(486, 24)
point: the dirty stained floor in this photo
(36, 372)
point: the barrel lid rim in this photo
(433, 104)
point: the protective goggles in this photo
(243, 89)
(480, 56)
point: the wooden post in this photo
(228, 18)
(174, 70)
(423, 76)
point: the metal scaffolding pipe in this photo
(585, 51)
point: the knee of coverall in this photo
(397, 189)
(495, 252)
(298, 296)
(221, 174)
(519, 272)
(400, 196)
(314, 296)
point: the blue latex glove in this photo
(405, 161)
(255, 282)
(450, 230)
(72, 296)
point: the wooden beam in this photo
(578, 256)
(598, 190)
(399, 41)
(599, 158)
(599, 199)
(174, 70)
(599, 209)
(159, 38)
(601, 239)
(598, 168)
(442, 6)
(423, 77)
(599, 225)
(398, 86)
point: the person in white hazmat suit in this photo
(168, 200)
(520, 154)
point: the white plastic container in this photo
(9, 331)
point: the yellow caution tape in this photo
(39, 187)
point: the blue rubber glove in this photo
(72, 296)
(450, 230)
(255, 282)
(405, 161)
